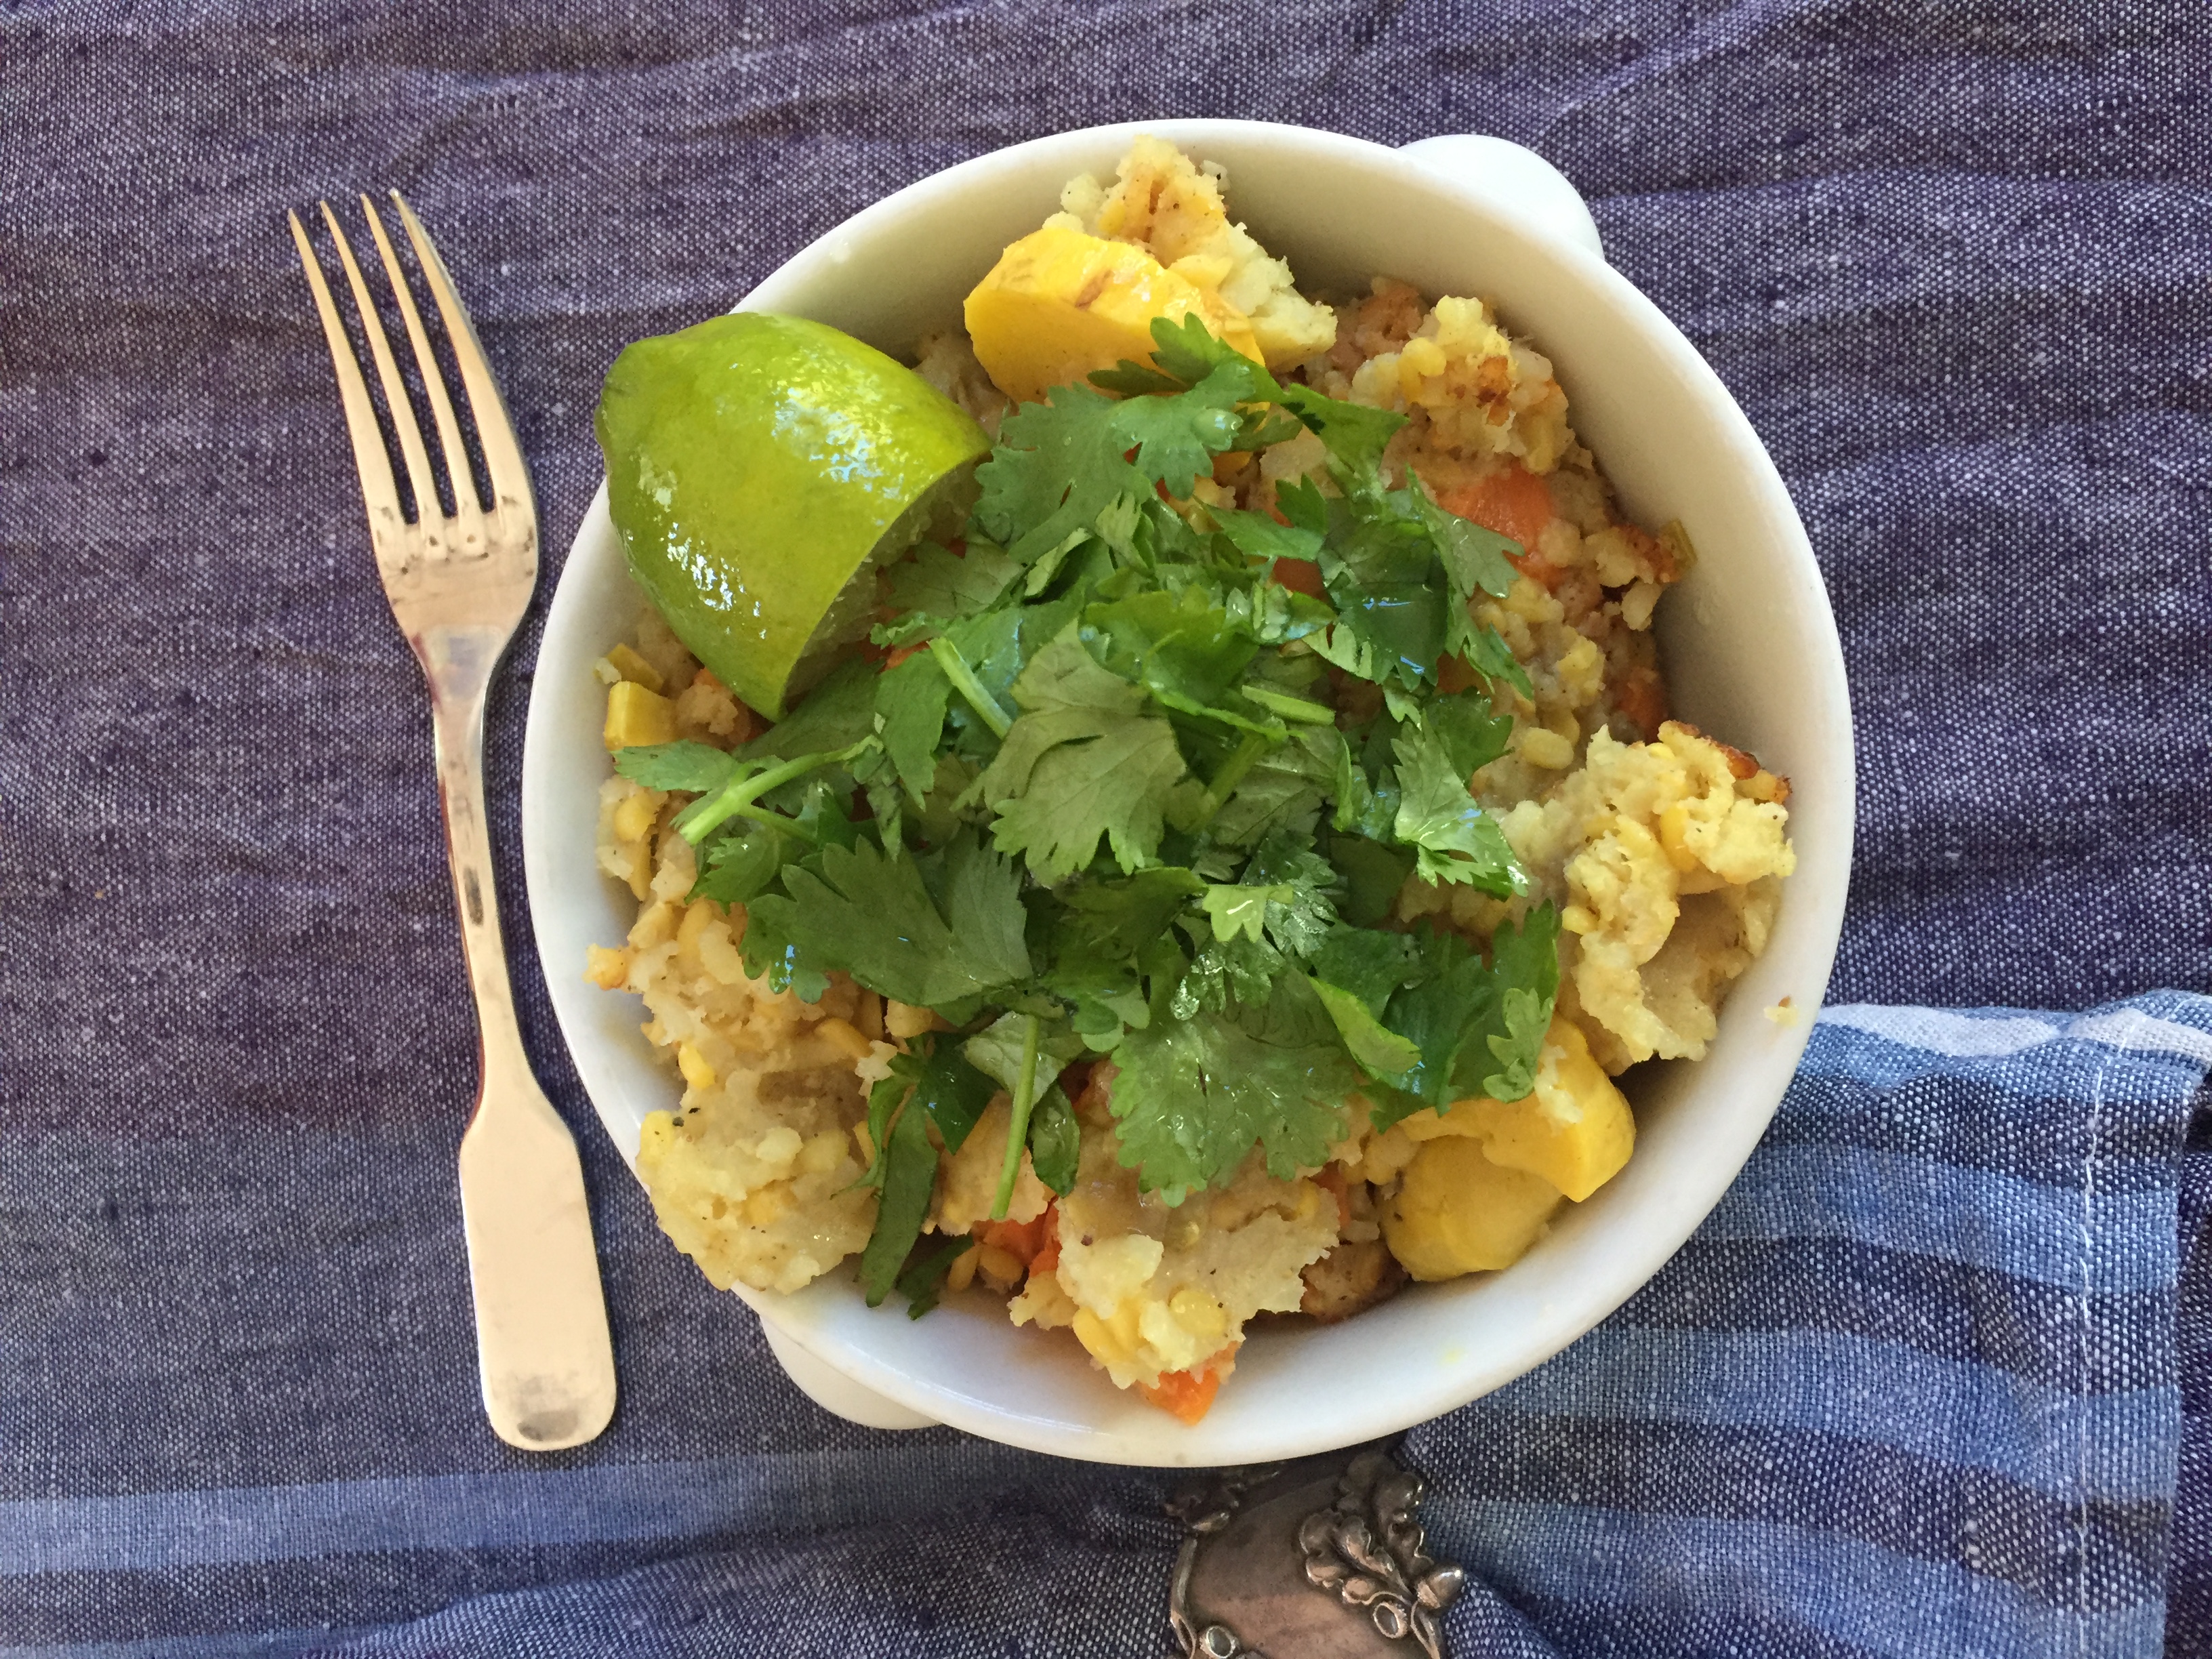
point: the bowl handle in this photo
(1515, 178)
(837, 1394)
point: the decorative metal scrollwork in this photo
(1369, 1549)
(1205, 1509)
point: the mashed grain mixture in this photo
(1662, 848)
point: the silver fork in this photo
(457, 584)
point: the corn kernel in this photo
(718, 954)
(697, 918)
(636, 716)
(635, 669)
(822, 1152)
(903, 1020)
(693, 1064)
(633, 819)
(845, 1036)
(655, 925)
(1200, 1314)
(1000, 1266)
(606, 969)
(1542, 746)
(1675, 836)
(1093, 1333)
(770, 1205)
(961, 1274)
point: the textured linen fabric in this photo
(1953, 260)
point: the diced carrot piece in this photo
(1643, 697)
(1541, 570)
(899, 654)
(1185, 1394)
(1026, 1239)
(1512, 500)
(1300, 577)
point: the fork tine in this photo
(434, 378)
(379, 489)
(510, 479)
(427, 510)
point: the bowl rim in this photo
(943, 1400)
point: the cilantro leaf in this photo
(1485, 651)
(1300, 884)
(1081, 761)
(739, 867)
(1188, 351)
(1283, 790)
(1121, 916)
(1373, 873)
(1471, 735)
(1055, 468)
(996, 1050)
(1056, 1141)
(867, 914)
(837, 713)
(693, 767)
(1236, 911)
(1193, 1096)
(912, 698)
(1060, 463)
(920, 1283)
(908, 1179)
(1525, 964)
(1256, 536)
(1380, 1051)
(1476, 560)
(1369, 965)
(1354, 434)
(938, 582)
(951, 1090)
(1437, 1016)
(1226, 970)
(1456, 839)
(1176, 438)
(1186, 651)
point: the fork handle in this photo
(459, 667)
(543, 1351)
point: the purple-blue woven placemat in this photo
(1955, 260)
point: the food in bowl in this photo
(1163, 811)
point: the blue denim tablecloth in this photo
(1937, 1378)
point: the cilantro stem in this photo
(1017, 1133)
(965, 682)
(788, 825)
(738, 795)
(1232, 774)
(1291, 708)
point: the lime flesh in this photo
(756, 465)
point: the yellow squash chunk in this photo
(636, 716)
(1458, 1212)
(1061, 303)
(1574, 1128)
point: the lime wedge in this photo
(756, 465)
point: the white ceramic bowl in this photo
(1750, 652)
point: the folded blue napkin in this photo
(1911, 1389)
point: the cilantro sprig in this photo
(1103, 801)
